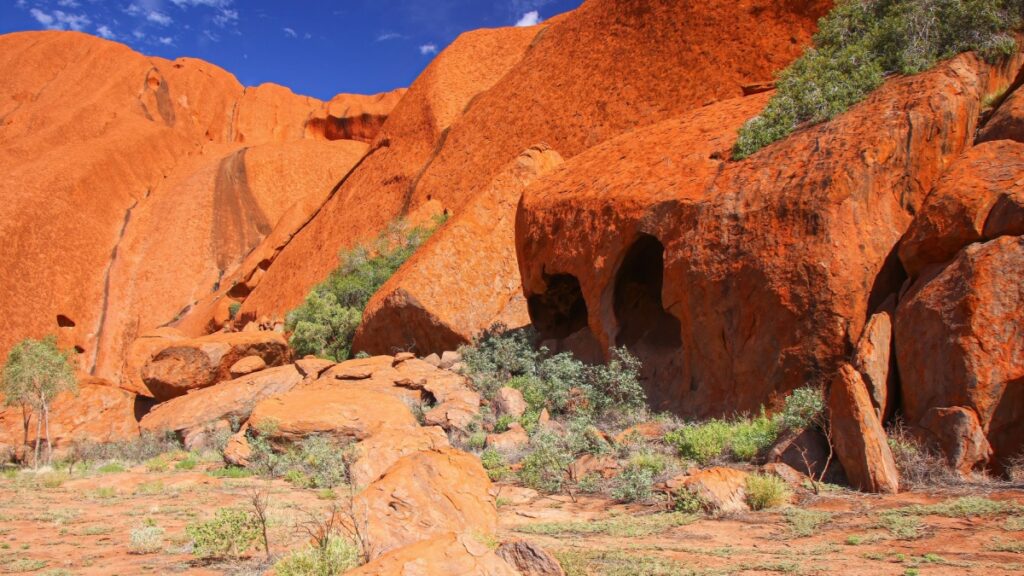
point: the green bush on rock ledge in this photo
(861, 41)
(325, 324)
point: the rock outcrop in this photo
(464, 279)
(445, 554)
(231, 401)
(169, 171)
(960, 344)
(738, 281)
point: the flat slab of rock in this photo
(860, 441)
(231, 400)
(335, 411)
(247, 365)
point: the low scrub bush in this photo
(634, 483)
(326, 322)
(860, 41)
(338, 556)
(765, 491)
(229, 534)
(146, 539)
(919, 466)
(545, 467)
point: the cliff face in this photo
(134, 184)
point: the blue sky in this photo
(314, 48)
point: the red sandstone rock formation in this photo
(737, 281)
(141, 182)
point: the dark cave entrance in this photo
(645, 328)
(560, 316)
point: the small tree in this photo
(35, 373)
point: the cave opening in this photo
(645, 328)
(559, 311)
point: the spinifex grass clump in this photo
(861, 41)
(326, 322)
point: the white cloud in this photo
(60, 20)
(166, 40)
(138, 34)
(289, 32)
(211, 36)
(105, 32)
(159, 18)
(531, 18)
(225, 17)
(307, 35)
(42, 17)
(67, 3)
(428, 49)
(389, 36)
(207, 3)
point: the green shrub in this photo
(753, 437)
(688, 501)
(229, 534)
(326, 322)
(495, 465)
(701, 443)
(231, 472)
(544, 467)
(860, 41)
(111, 468)
(765, 491)
(188, 463)
(635, 482)
(233, 309)
(498, 355)
(323, 460)
(802, 408)
(338, 556)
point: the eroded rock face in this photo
(233, 401)
(957, 212)
(530, 559)
(172, 167)
(188, 365)
(1008, 121)
(958, 434)
(464, 279)
(721, 490)
(959, 341)
(425, 495)
(736, 282)
(857, 434)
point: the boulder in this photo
(247, 365)
(443, 555)
(738, 281)
(425, 495)
(529, 558)
(809, 452)
(787, 473)
(512, 439)
(187, 365)
(141, 351)
(237, 451)
(339, 412)
(721, 490)
(450, 358)
(958, 434)
(959, 342)
(957, 211)
(372, 457)
(603, 466)
(509, 402)
(860, 441)
(232, 401)
(430, 306)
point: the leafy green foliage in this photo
(545, 467)
(742, 440)
(35, 372)
(326, 322)
(860, 41)
(229, 534)
(315, 462)
(634, 483)
(338, 556)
